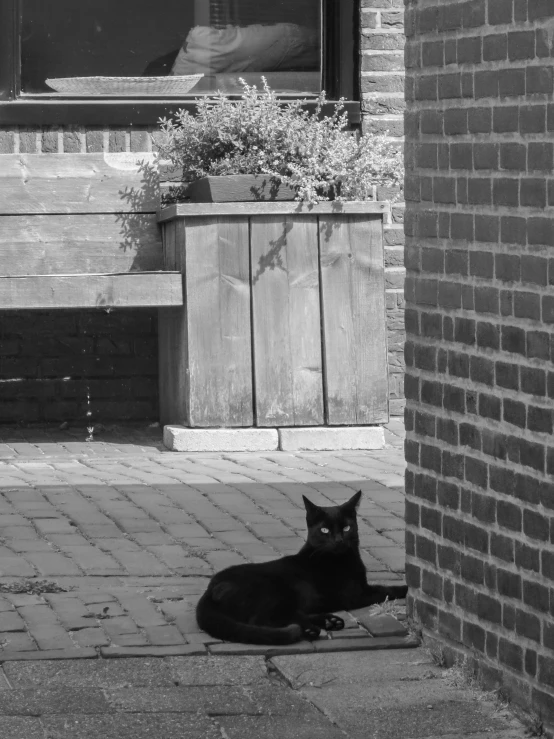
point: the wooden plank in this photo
(78, 183)
(218, 315)
(169, 246)
(200, 210)
(353, 308)
(132, 290)
(286, 321)
(67, 244)
(173, 364)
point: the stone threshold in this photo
(298, 439)
(219, 649)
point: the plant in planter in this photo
(314, 157)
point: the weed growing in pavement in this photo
(32, 587)
(392, 607)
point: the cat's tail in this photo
(220, 626)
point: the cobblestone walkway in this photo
(106, 545)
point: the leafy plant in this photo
(257, 134)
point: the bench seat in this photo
(115, 290)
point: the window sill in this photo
(63, 110)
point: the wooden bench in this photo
(80, 231)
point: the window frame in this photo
(45, 110)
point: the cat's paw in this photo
(333, 623)
(311, 631)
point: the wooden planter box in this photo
(283, 317)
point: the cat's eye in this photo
(346, 528)
(324, 530)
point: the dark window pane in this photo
(221, 39)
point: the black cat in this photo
(287, 599)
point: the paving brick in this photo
(115, 627)
(142, 612)
(129, 640)
(17, 643)
(164, 635)
(13, 566)
(5, 605)
(52, 564)
(92, 560)
(382, 624)
(176, 559)
(140, 563)
(11, 621)
(92, 636)
(24, 599)
(54, 526)
(45, 628)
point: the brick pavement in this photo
(106, 545)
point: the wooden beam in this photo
(216, 277)
(290, 207)
(131, 290)
(78, 183)
(95, 243)
(353, 318)
(286, 321)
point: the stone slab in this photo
(21, 727)
(325, 438)
(94, 673)
(389, 694)
(210, 699)
(279, 727)
(60, 700)
(222, 670)
(131, 726)
(182, 439)
(383, 624)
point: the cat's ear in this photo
(310, 507)
(354, 501)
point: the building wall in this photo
(382, 89)
(34, 387)
(480, 341)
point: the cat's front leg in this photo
(327, 621)
(311, 627)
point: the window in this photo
(57, 53)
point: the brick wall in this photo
(480, 341)
(382, 87)
(78, 366)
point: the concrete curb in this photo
(311, 439)
(181, 439)
(324, 438)
(220, 649)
